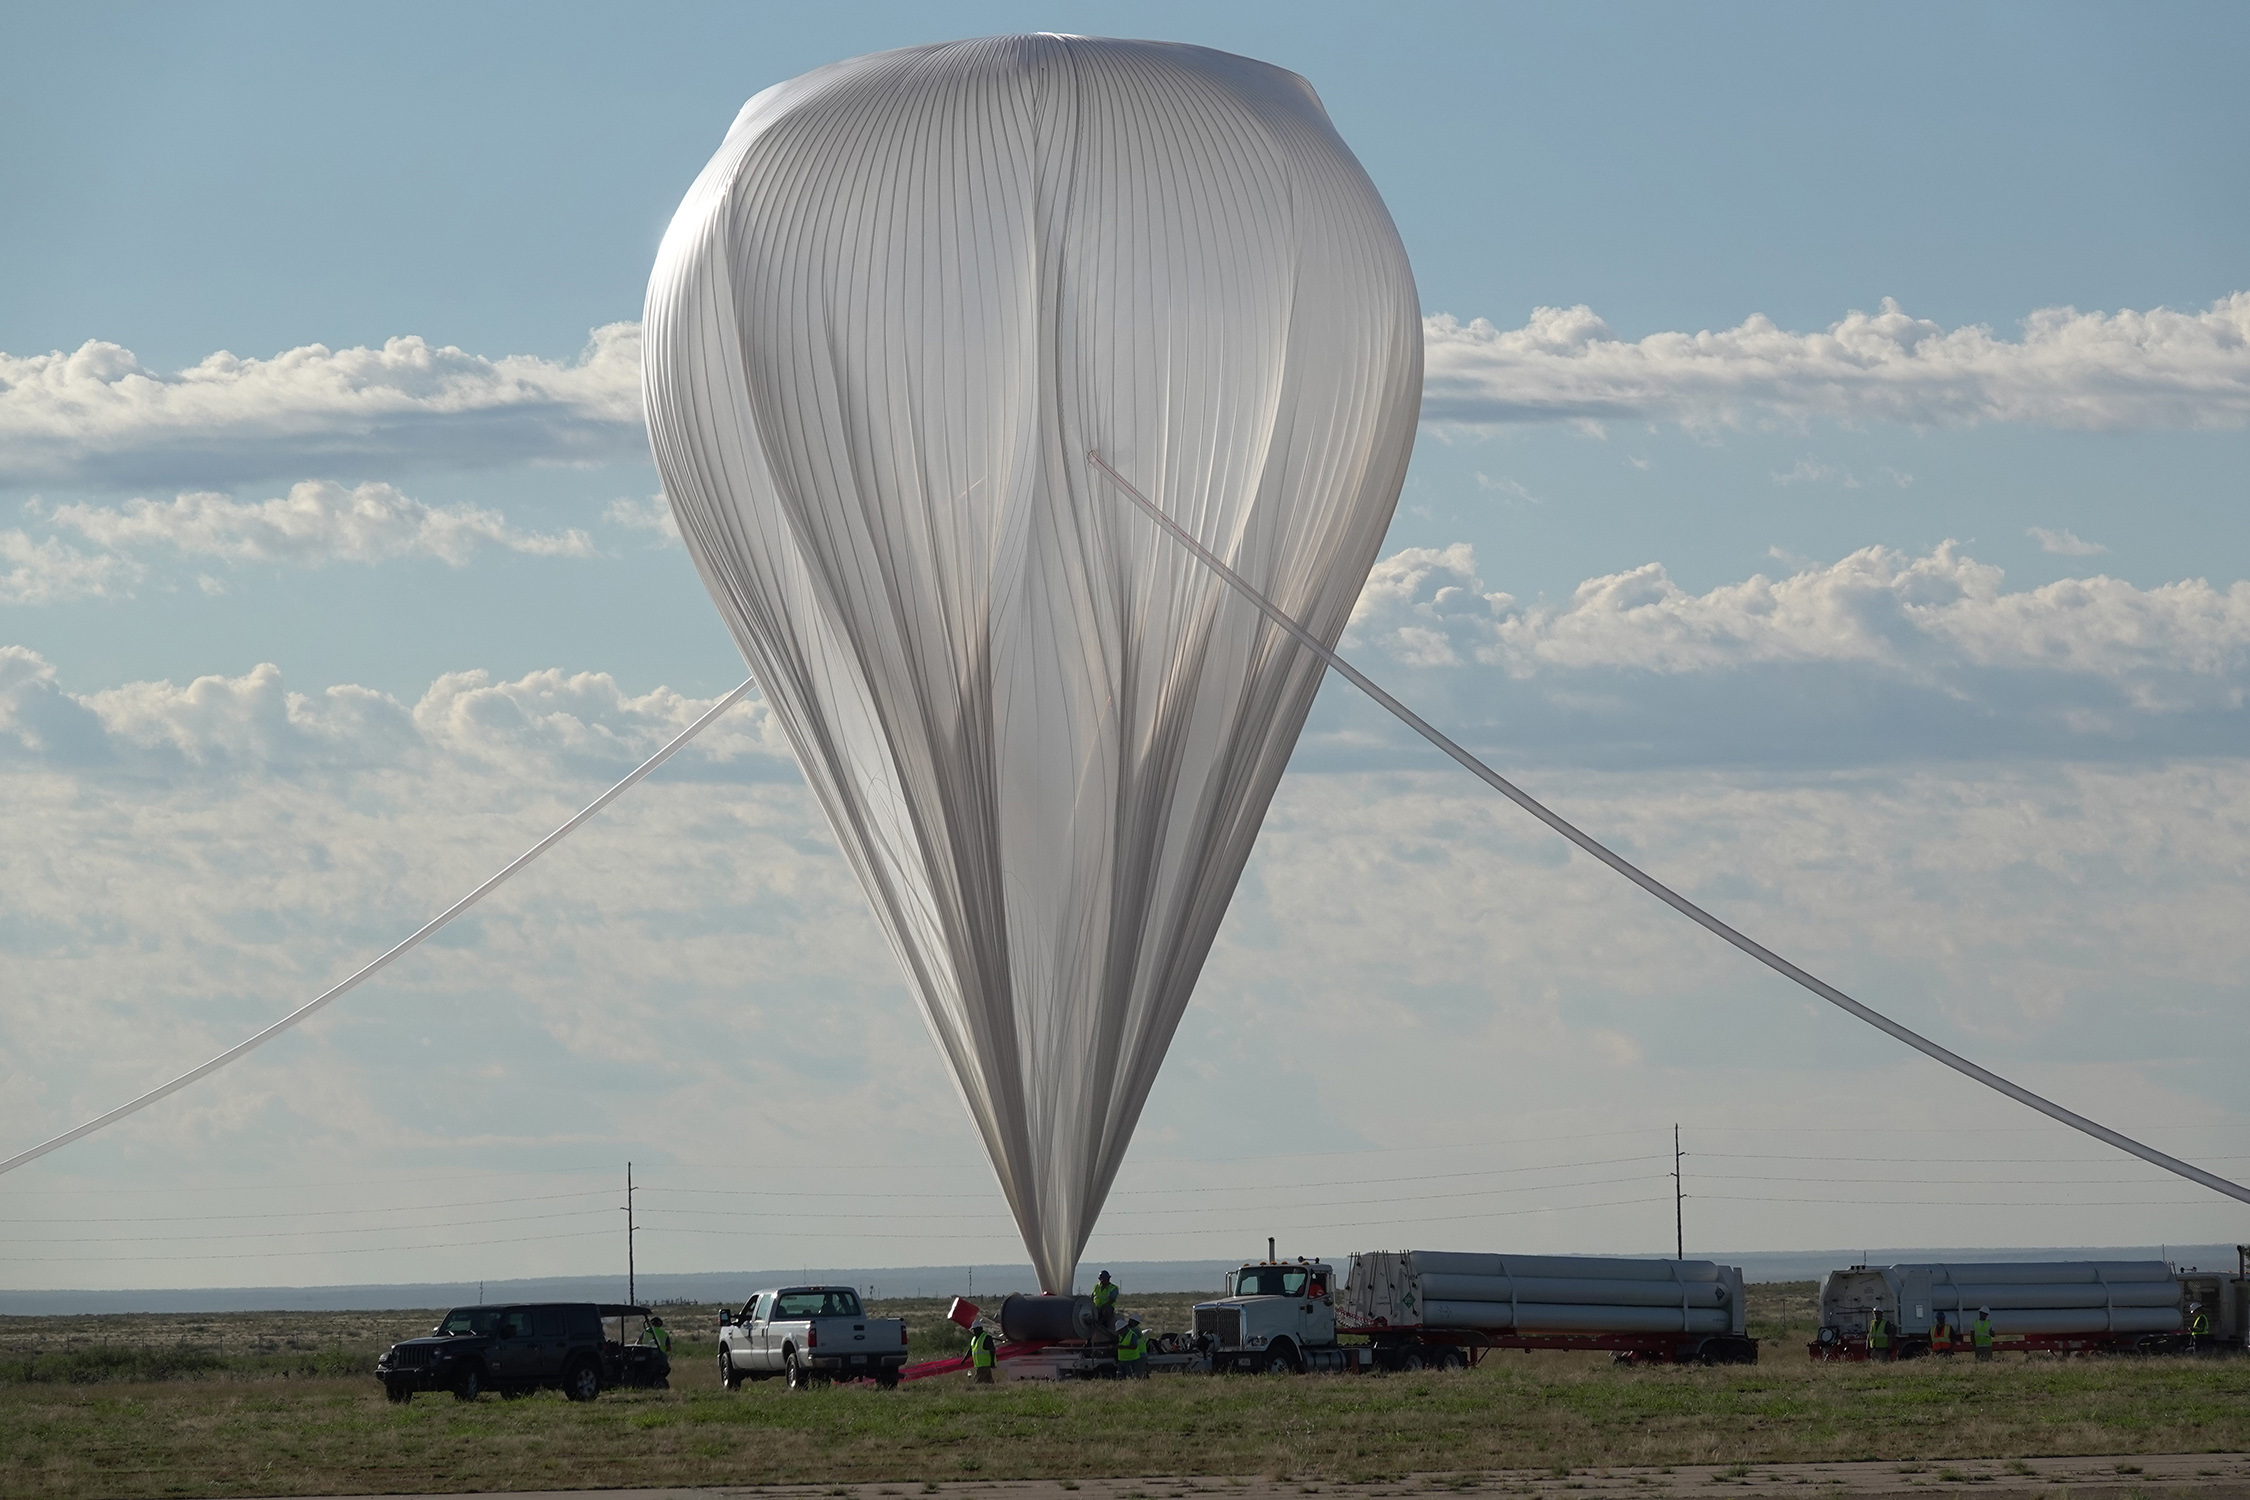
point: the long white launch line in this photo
(1650, 883)
(432, 926)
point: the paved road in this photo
(2182, 1476)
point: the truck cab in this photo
(1277, 1316)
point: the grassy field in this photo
(248, 1421)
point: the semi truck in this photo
(2135, 1306)
(1416, 1309)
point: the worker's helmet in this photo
(2195, 1307)
(654, 1321)
(1103, 1277)
(1136, 1322)
(1984, 1312)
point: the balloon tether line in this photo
(433, 925)
(1650, 883)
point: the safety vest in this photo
(1130, 1344)
(1105, 1295)
(1941, 1337)
(980, 1350)
(1878, 1333)
(661, 1336)
(2200, 1327)
(1980, 1333)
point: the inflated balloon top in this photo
(894, 315)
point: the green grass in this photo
(1551, 1413)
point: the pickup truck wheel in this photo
(469, 1384)
(584, 1382)
(887, 1380)
(728, 1379)
(1282, 1359)
(794, 1368)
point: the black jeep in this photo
(517, 1348)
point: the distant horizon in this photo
(1168, 1277)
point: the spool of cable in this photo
(1046, 1320)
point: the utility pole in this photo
(631, 1287)
(1679, 1217)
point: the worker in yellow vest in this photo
(654, 1332)
(982, 1356)
(1132, 1349)
(1878, 1335)
(1105, 1302)
(2199, 1326)
(1980, 1333)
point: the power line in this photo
(103, 1260)
(301, 1234)
(263, 1186)
(312, 1213)
(1150, 1213)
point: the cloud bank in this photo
(538, 727)
(316, 523)
(98, 415)
(1877, 656)
(1916, 617)
(2095, 370)
(693, 980)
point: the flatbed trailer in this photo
(1436, 1348)
(1855, 1348)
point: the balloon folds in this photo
(894, 314)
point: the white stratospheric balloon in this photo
(894, 315)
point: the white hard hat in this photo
(1984, 1312)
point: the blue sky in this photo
(1916, 640)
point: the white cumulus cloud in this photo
(2064, 543)
(316, 523)
(46, 570)
(652, 515)
(2097, 370)
(540, 725)
(1428, 607)
(97, 413)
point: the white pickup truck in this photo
(807, 1333)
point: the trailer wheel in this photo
(1410, 1360)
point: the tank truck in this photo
(2086, 1306)
(1417, 1309)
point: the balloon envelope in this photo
(906, 298)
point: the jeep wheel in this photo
(799, 1376)
(728, 1379)
(397, 1392)
(469, 1384)
(584, 1382)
